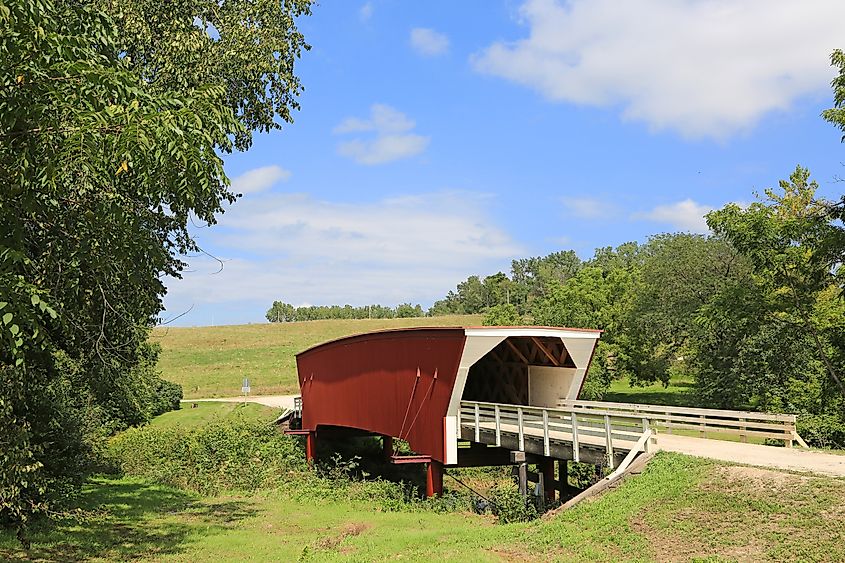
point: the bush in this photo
(166, 397)
(509, 505)
(822, 430)
(230, 454)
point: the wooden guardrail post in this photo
(498, 426)
(575, 455)
(608, 435)
(521, 429)
(545, 432)
(477, 424)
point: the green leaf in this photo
(7, 318)
(35, 300)
(14, 329)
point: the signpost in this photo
(245, 388)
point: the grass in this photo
(212, 361)
(677, 394)
(680, 508)
(205, 412)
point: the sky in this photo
(438, 140)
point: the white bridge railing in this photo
(604, 429)
(704, 422)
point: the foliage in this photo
(503, 315)
(836, 114)
(780, 333)
(233, 453)
(509, 505)
(110, 141)
(286, 313)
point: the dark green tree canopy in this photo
(113, 116)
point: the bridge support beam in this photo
(387, 447)
(563, 478)
(434, 479)
(548, 468)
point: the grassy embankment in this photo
(212, 361)
(681, 508)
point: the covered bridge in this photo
(410, 384)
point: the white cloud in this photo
(686, 215)
(259, 179)
(366, 11)
(307, 250)
(589, 208)
(393, 138)
(428, 42)
(706, 68)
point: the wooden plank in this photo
(498, 428)
(545, 433)
(516, 351)
(635, 468)
(545, 350)
(677, 410)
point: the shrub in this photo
(822, 430)
(230, 454)
(166, 397)
(509, 505)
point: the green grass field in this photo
(680, 509)
(212, 361)
(677, 394)
(206, 412)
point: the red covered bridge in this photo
(410, 384)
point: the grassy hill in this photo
(212, 361)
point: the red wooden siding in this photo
(370, 382)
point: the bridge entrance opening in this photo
(523, 370)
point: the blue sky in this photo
(442, 139)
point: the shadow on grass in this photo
(127, 520)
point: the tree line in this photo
(285, 312)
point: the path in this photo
(277, 401)
(793, 459)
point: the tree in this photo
(781, 236)
(832, 249)
(110, 144)
(504, 314)
(777, 341)
(836, 114)
(678, 274)
(406, 311)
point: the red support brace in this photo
(434, 479)
(311, 448)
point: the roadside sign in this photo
(245, 387)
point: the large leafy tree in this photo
(113, 118)
(776, 342)
(785, 236)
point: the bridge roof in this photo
(424, 331)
